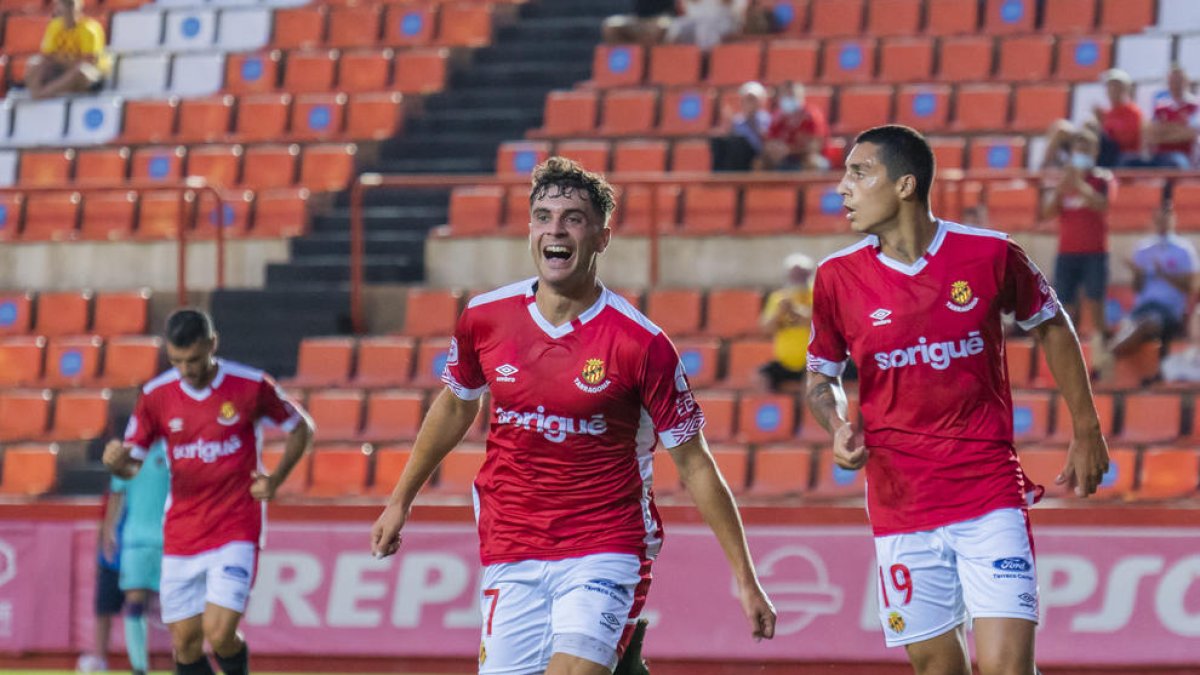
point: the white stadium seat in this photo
(8, 167)
(1084, 98)
(39, 122)
(6, 120)
(285, 3)
(1147, 93)
(190, 29)
(1189, 54)
(235, 3)
(197, 74)
(143, 74)
(1144, 57)
(1037, 152)
(137, 31)
(243, 29)
(1179, 16)
(94, 119)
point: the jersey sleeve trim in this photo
(167, 377)
(513, 290)
(459, 390)
(1047, 312)
(290, 423)
(682, 432)
(138, 452)
(826, 367)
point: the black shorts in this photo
(777, 373)
(1073, 271)
(1172, 326)
(109, 598)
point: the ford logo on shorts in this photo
(236, 572)
(1012, 565)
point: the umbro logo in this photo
(506, 373)
(175, 425)
(881, 317)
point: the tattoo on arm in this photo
(827, 401)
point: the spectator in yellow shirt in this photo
(788, 315)
(73, 58)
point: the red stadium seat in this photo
(666, 474)
(1036, 106)
(323, 362)
(1012, 205)
(72, 361)
(300, 27)
(781, 471)
(593, 155)
(832, 18)
(30, 469)
(253, 73)
(218, 165)
(997, 152)
(465, 25)
(280, 213)
(365, 70)
(409, 25)
(389, 462)
(691, 155)
(790, 61)
(1083, 58)
(328, 167)
(687, 111)
(456, 475)
(339, 470)
(863, 107)
(1019, 355)
(516, 206)
(21, 360)
(263, 117)
(384, 361)
(16, 313)
(618, 65)
(108, 216)
(374, 116)
(677, 311)
(164, 164)
(835, 482)
(63, 313)
(476, 210)
(431, 312)
(1031, 416)
(639, 156)
(906, 59)
(204, 120)
(11, 206)
(270, 166)
(1025, 58)
(791, 16)
(354, 26)
(1169, 473)
(1105, 410)
(1133, 206)
(1010, 16)
(80, 415)
(675, 64)
(720, 413)
(311, 71)
(982, 107)
(102, 165)
(1151, 418)
(24, 414)
(151, 121)
(887, 18)
(733, 63)
(823, 210)
(46, 167)
(634, 211)
(1126, 16)
(709, 209)
(569, 113)
(121, 313)
(233, 214)
(1069, 16)
(393, 415)
(421, 71)
(770, 209)
(848, 61)
(519, 158)
(51, 216)
(765, 418)
(628, 112)
(966, 59)
(161, 214)
(23, 32)
(131, 361)
(745, 358)
(951, 17)
(924, 107)
(733, 312)
(733, 462)
(338, 414)
(297, 480)
(949, 152)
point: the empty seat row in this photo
(74, 313)
(74, 415)
(393, 24)
(125, 361)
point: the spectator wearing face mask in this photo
(799, 133)
(746, 130)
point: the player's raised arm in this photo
(715, 502)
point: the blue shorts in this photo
(1075, 270)
(141, 567)
(109, 598)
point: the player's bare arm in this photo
(715, 502)
(118, 459)
(1087, 457)
(299, 440)
(448, 420)
(108, 526)
(827, 401)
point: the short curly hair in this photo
(568, 175)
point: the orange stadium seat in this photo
(949, 151)
(63, 313)
(1025, 58)
(11, 206)
(218, 165)
(569, 113)
(374, 116)
(300, 27)
(234, 214)
(634, 211)
(830, 18)
(518, 158)
(1042, 465)
(1126, 16)
(733, 312)
(280, 212)
(384, 361)
(887, 18)
(389, 462)
(30, 469)
(23, 32)
(906, 59)
(151, 121)
(847, 61)
(476, 210)
(678, 311)
(516, 206)
(628, 111)
(24, 6)
(323, 362)
(21, 360)
(1036, 106)
(131, 360)
(720, 413)
(72, 361)
(709, 209)
(270, 166)
(746, 356)
(409, 25)
(310, 71)
(121, 313)
(781, 470)
(1083, 58)
(1012, 205)
(317, 117)
(982, 107)
(666, 474)
(966, 59)
(1018, 353)
(1069, 16)
(339, 470)
(733, 461)
(593, 155)
(297, 480)
(456, 475)
(835, 482)
(997, 152)
(951, 17)
(24, 414)
(328, 167)
(687, 111)
(108, 216)
(640, 156)
(204, 120)
(431, 312)
(1118, 481)
(770, 209)
(1105, 410)
(1169, 473)
(924, 107)
(1151, 418)
(823, 210)
(465, 25)
(733, 63)
(159, 163)
(765, 418)
(421, 71)
(618, 65)
(354, 26)
(46, 167)
(863, 107)
(1031, 416)
(691, 155)
(162, 213)
(80, 415)
(263, 117)
(102, 165)
(253, 73)
(51, 216)
(700, 358)
(675, 64)
(393, 415)
(791, 61)
(365, 70)
(1009, 16)
(1186, 197)
(16, 313)
(1131, 209)
(338, 414)
(791, 16)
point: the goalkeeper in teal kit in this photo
(144, 497)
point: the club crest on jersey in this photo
(962, 299)
(482, 653)
(228, 415)
(592, 379)
(896, 622)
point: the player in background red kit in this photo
(209, 411)
(917, 304)
(583, 386)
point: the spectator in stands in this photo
(788, 316)
(1080, 200)
(707, 23)
(746, 131)
(647, 25)
(73, 59)
(799, 133)
(1184, 365)
(1175, 125)
(1118, 127)
(1164, 267)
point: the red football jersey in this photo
(213, 445)
(1082, 229)
(1186, 112)
(933, 382)
(576, 412)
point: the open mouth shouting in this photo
(558, 256)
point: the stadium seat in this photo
(46, 168)
(21, 360)
(1126, 16)
(263, 117)
(593, 155)
(790, 61)
(675, 64)
(465, 24)
(270, 166)
(982, 107)
(280, 213)
(1145, 56)
(790, 16)
(63, 313)
(823, 212)
(848, 61)
(102, 165)
(374, 116)
(516, 204)
(906, 59)
(569, 113)
(666, 474)
(456, 475)
(951, 17)
(769, 209)
(709, 209)
(863, 107)
(16, 313)
(1134, 205)
(720, 413)
(409, 25)
(323, 362)
(1083, 58)
(243, 29)
(299, 27)
(338, 414)
(233, 215)
(328, 167)
(364, 70)
(159, 163)
(628, 112)
(1151, 418)
(23, 32)
(1019, 355)
(24, 414)
(618, 65)
(79, 414)
(640, 156)
(197, 74)
(733, 63)
(733, 313)
(949, 152)
(1069, 16)
(1025, 58)
(189, 29)
(393, 415)
(431, 312)
(150, 121)
(686, 111)
(317, 117)
(691, 155)
(12, 205)
(162, 213)
(108, 216)
(29, 469)
(1012, 205)
(51, 216)
(255, 73)
(781, 471)
(297, 480)
(1010, 16)
(1105, 410)
(835, 482)
(766, 418)
(700, 357)
(733, 461)
(1169, 473)
(204, 120)
(141, 75)
(422, 71)
(72, 361)
(519, 158)
(924, 107)
(893, 18)
(966, 59)
(634, 211)
(218, 165)
(997, 152)
(339, 470)
(834, 18)
(131, 360)
(678, 311)
(389, 462)
(1036, 106)
(354, 26)
(476, 210)
(311, 71)
(1031, 416)
(1178, 15)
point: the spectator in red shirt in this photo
(1121, 122)
(1175, 125)
(798, 134)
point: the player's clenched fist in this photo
(848, 449)
(118, 460)
(759, 611)
(385, 534)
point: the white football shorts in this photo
(585, 607)
(222, 577)
(929, 581)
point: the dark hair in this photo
(903, 150)
(567, 175)
(186, 327)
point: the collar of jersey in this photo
(201, 394)
(915, 268)
(559, 331)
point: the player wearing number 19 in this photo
(917, 304)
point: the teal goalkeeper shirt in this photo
(145, 500)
